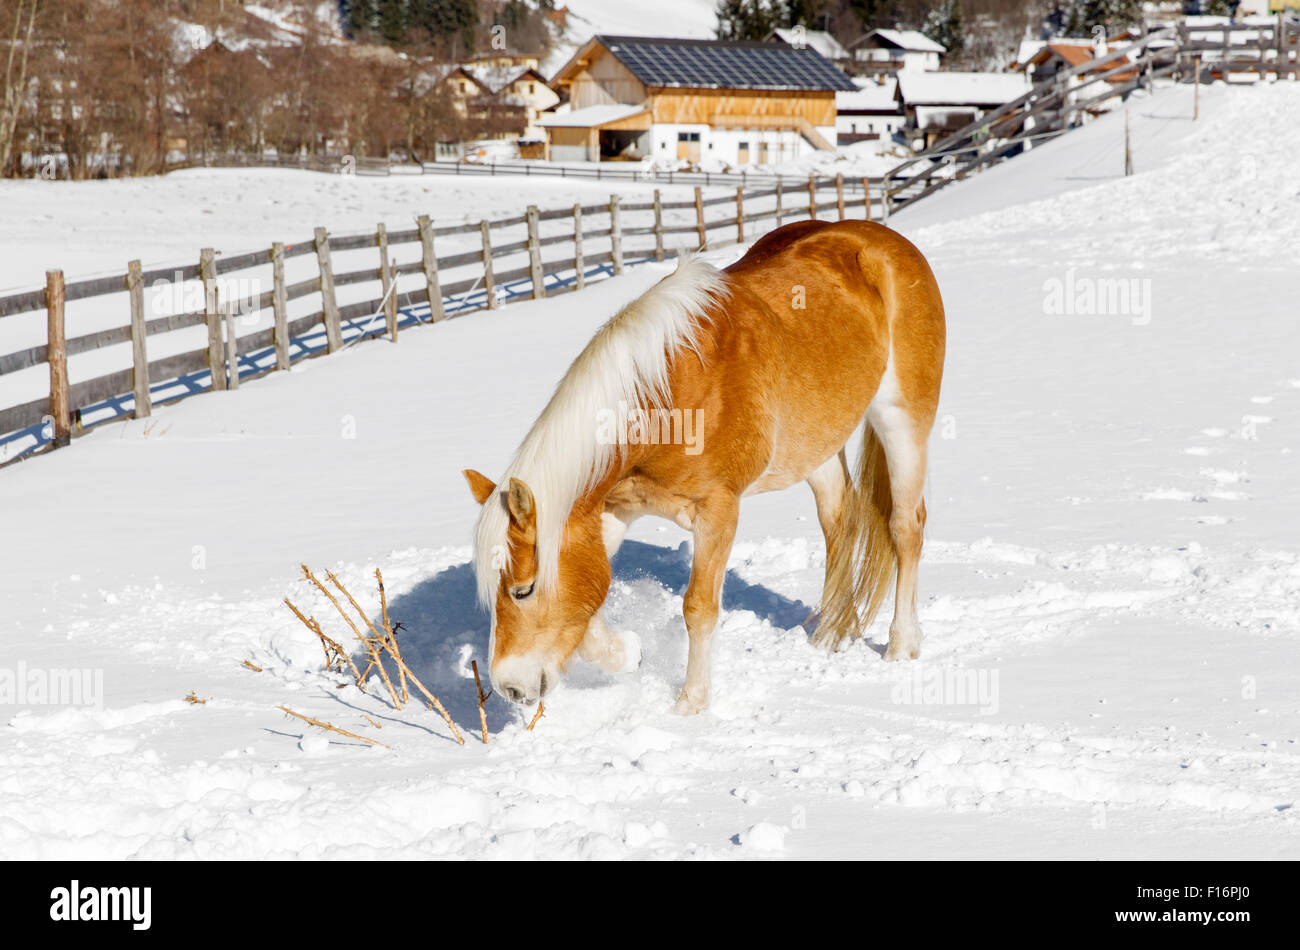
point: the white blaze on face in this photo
(521, 678)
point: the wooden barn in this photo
(699, 101)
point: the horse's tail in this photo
(861, 551)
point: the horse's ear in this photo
(479, 484)
(519, 501)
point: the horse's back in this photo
(830, 305)
(853, 284)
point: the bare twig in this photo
(541, 711)
(433, 700)
(365, 641)
(482, 698)
(193, 699)
(255, 669)
(334, 652)
(392, 634)
(325, 725)
(380, 643)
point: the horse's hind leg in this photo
(829, 483)
(905, 456)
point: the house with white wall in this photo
(699, 102)
(897, 50)
(871, 113)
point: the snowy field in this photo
(1111, 562)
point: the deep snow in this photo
(1111, 566)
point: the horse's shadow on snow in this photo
(443, 626)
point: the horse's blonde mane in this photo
(626, 362)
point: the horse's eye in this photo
(523, 593)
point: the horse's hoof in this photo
(896, 653)
(620, 653)
(630, 652)
(686, 706)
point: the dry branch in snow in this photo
(382, 641)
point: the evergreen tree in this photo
(1081, 16)
(392, 20)
(749, 19)
(358, 18)
(876, 14)
(445, 19)
(943, 25)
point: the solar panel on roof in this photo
(730, 65)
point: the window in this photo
(688, 136)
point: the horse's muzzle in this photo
(515, 689)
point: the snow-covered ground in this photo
(91, 228)
(1111, 567)
(685, 19)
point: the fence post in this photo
(433, 287)
(659, 227)
(780, 189)
(489, 281)
(866, 197)
(885, 200)
(232, 347)
(1279, 36)
(57, 357)
(699, 217)
(580, 278)
(387, 281)
(212, 315)
(329, 303)
(615, 236)
(812, 198)
(280, 307)
(1196, 78)
(139, 361)
(839, 194)
(740, 215)
(535, 254)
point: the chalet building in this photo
(819, 40)
(508, 97)
(699, 101)
(896, 50)
(870, 114)
(1058, 57)
(936, 104)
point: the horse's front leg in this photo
(613, 652)
(714, 527)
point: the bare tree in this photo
(15, 78)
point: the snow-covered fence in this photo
(1054, 106)
(146, 338)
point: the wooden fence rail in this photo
(623, 231)
(600, 240)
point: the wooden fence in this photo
(1184, 54)
(499, 260)
(493, 265)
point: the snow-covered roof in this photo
(871, 96)
(590, 117)
(953, 88)
(495, 78)
(819, 40)
(914, 41)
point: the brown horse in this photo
(721, 384)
